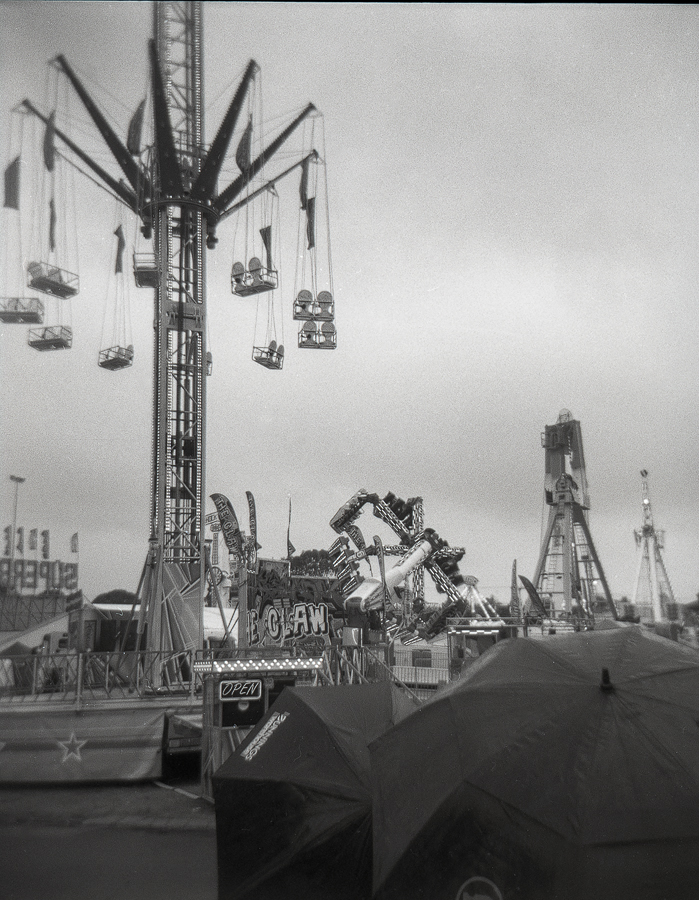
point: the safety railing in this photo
(85, 677)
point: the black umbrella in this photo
(293, 802)
(565, 767)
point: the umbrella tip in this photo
(606, 684)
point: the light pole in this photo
(17, 480)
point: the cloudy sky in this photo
(514, 208)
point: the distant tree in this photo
(118, 595)
(312, 562)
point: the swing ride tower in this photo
(171, 184)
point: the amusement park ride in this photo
(569, 568)
(653, 598)
(171, 185)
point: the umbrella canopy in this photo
(293, 802)
(566, 767)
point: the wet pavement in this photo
(107, 842)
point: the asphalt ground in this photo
(107, 842)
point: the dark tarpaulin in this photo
(530, 775)
(133, 137)
(12, 184)
(303, 186)
(293, 802)
(311, 222)
(121, 246)
(266, 235)
(243, 153)
(52, 225)
(49, 143)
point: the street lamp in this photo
(17, 480)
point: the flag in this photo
(20, 540)
(242, 154)
(74, 543)
(45, 547)
(515, 605)
(310, 222)
(121, 245)
(303, 187)
(266, 235)
(290, 549)
(49, 137)
(252, 555)
(229, 525)
(12, 184)
(33, 539)
(52, 225)
(133, 139)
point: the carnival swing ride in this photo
(167, 188)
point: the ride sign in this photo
(248, 689)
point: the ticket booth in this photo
(237, 694)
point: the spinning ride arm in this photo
(424, 548)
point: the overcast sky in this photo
(514, 208)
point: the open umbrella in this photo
(565, 767)
(293, 802)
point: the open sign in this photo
(245, 689)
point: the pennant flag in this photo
(133, 138)
(266, 235)
(12, 185)
(252, 555)
(536, 600)
(74, 543)
(49, 138)
(515, 605)
(303, 187)
(242, 154)
(45, 547)
(290, 549)
(33, 539)
(20, 540)
(121, 245)
(229, 525)
(52, 225)
(311, 222)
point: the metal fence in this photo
(76, 677)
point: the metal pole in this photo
(17, 480)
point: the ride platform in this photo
(51, 280)
(53, 337)
(21, 311)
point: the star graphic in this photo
(71, 747)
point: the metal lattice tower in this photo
(653, 596)
(569, 566)
(172, 186)
(179, 234)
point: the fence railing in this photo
(77, 677)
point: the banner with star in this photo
(60, 746)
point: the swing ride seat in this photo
(303, 307)
(51, 280)
(271, 357)
(326, 307)
(116, 358)
(328, 336)
(53, 337)
(145, 270)
(22, 311)
(256, 279)
(308, 337)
